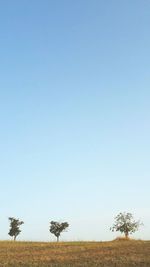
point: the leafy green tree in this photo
(15, 224)
(125, 223)
(57, 228)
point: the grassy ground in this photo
(75, 254)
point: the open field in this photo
(75, 254)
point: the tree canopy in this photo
(15, 224)
(125, 223)
(57, 228)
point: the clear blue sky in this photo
(74, 115)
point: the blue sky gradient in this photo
(75, 115)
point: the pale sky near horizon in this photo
(74, 115)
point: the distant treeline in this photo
(123, 222)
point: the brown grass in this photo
(75, 254)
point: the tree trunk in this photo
(14, 238)
(57, 238)
(126, 235)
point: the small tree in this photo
(125, 223)
(57, 228)
(14, 230)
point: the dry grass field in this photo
(75, 254)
